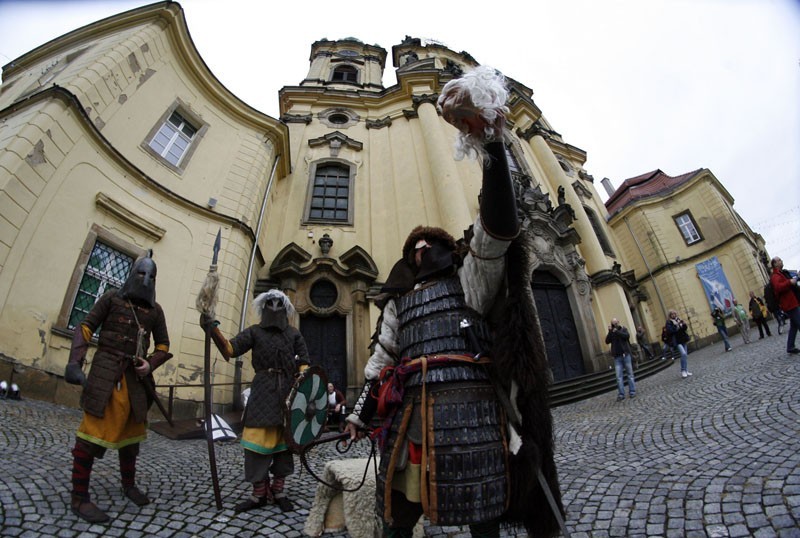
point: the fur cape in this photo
(519, 353)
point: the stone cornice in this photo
(329, 138)
(129, 216)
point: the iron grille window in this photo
(173, 138)
(107, 269)
(323, 294)
(331, 194)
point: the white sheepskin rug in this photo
(358, 506)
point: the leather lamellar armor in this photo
(467, 453)
(116, 347)
(430, 321)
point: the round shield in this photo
(306, 408)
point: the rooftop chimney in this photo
(607, 184)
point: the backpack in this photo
(770, 299)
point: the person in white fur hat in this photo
(279, 352)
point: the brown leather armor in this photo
(116, 348)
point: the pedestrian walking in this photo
(786, 291)
(719, 322)
(677, 338)
(742, 321)
(758, 311)
(644, 343)
(619, 339)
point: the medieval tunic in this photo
(114, 401)
(461, 477)
(277, 356)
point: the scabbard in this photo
(154, 396)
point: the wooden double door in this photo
(558, 326)
(326, 338)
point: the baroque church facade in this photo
(116, 138)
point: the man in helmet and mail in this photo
(279, 352)
(114, 399)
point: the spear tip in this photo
(217, 243)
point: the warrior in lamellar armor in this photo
(446, 446)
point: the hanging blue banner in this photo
(715, 284)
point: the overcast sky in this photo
(639, 85)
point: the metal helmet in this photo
(274, 308)
(141, 283)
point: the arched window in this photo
(599, 232)
(329, 199)
(345, 73)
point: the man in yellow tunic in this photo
(114, 399)
(279, 352)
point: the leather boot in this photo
(136, 495)
(87, 510)
(250, 503)
(284, 504)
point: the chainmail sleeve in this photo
(365, 406)
(384, 354)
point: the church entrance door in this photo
(558, 326)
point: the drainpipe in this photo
(237, 372)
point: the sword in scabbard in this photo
(148, 388)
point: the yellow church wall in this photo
(45, 215)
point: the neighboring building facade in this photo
(116, 138)
(687, 247)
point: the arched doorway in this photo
(558, 326)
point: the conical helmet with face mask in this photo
(141, 283)
(274, 308)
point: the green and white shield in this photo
(306, 408)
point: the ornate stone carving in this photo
(535, 129)
(453, 68)
(418, 100)
(379, 124)
(296, 118)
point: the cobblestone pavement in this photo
(713, 455)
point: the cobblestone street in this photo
(713, 455)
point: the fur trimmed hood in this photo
(430, 233)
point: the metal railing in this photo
(172, 388)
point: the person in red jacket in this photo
(787, 292)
